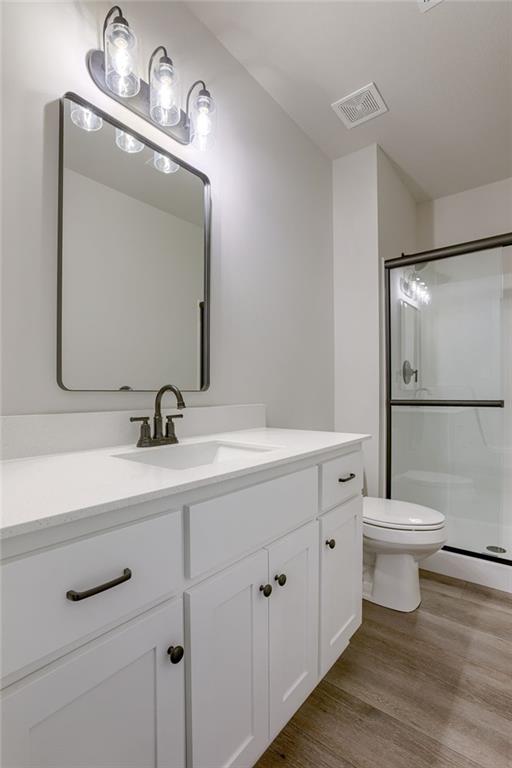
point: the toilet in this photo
(397, 535)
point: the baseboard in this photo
(467, 568)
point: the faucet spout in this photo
(157, 419)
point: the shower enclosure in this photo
(449, 390)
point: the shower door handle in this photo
(408, 372)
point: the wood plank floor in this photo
(428, 689)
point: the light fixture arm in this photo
(197, 82)
(150, 65)
(109, 16)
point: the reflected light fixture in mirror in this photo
(163, 89)
(164, 164)
(120, 46)
(127, 142)
(85, 118)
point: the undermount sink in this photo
(196, 454)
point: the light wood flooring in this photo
(432, 688)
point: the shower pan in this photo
(449, 390)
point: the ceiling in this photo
(446, 76)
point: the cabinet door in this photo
(118, 702)
(340, 579)
(228, 675)
(293, 623)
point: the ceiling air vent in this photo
(360, 106)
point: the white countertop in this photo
(49, 490)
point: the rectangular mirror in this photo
(134, 235)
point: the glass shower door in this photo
(449, 379)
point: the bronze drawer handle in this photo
(74, 596)
(345, 479)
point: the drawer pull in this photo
(281, 579)
(345, 479)
(331, 543)
(266, 589)
(74, 596)
(176, 653)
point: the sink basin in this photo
(196, 454)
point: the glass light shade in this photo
(203, 118)
(85, 118)
(127, 142)
(164, 92)
(121, 60)
(164, 164)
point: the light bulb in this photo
(121, 58)
(85, 118)
(164, 92)
(164, 164)
(202, 120)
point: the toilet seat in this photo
(400, 515)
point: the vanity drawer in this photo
(341, 478)
(38, 616)
(223, 529)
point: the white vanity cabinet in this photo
(340, 579)
(256, 584)
(253, 633)
(118, 702)
(293, 623)
(227, 622)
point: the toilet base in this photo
(395, 582)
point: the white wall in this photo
(272, 322)
(468, 215)
(374, 219)
(356, 301)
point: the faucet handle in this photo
(169, 427)
(145, 431)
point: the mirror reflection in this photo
(133, 260)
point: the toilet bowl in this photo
(397, 535)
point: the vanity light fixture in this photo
(164, 164)
(127, 142)
(163, 89)
(114, 72)
(201, 115)
(120, 46)
(85, 118)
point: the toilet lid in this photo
(389, 513)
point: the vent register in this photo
(360, 106)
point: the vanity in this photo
(175, 605)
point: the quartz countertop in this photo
(50, 490)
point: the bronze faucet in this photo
(145, 440)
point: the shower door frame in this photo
(459, 249)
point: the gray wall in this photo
(272, 325)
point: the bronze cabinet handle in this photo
(176, 653)
(281, 579)
(266, 589)
(331, 543)
(73, 595)
(345, 479)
